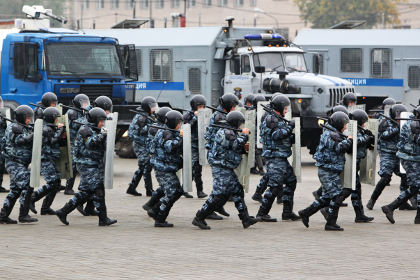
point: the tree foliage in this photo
(11, 9)
(326, 13)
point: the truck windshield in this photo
(82, 59)
(271, 61)
(295, 62)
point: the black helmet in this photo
(22, 112)
(160, 114)
(228, 100)
(51, 114)
(349, 96)
(241, 104)
(338, 120)
(396, 110)
(416, 112)
(388, 101)
(48, 98)
(79, 100)
(173, 118)
(279, 102)
(197, 101)
(235, 119)
(95, 115)
(340, 108)
(359, 115)
(249, 98)
(257, 99)
(103, 102)
(275, 95)
(148, 103)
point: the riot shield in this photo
(59, 108)
(386, 109)
(368, 164)
(248, 159)
(187, 158)
(354, 107)
(296, 148)
(260, 113)
(64, 162)
(5, 111)
(111, 126)
(36, 155)
(203, 120)
(404, 115)
(348, 176)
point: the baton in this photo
(215, 109)
(73, 108)
(407, 119)
(269, 110)
(9, 120)
(413, 105)
(140, 112)
(184, 110)
(37, 105)
(166, 128)
(339, 133)
(91, 126)
(358, 126)
(386, 117)
(228, 127)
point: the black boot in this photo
(187, 195)
(288, 212)
(90, 208)
(133, 192)
(390, 208)
(48, 201)
(154, 211)
(265, 217)
(407, 206)
(152, 202)
(149, 192)
(247, 221)
(380, 186)
(135, 182)
(104, 220)
(360, 216)
(6, 210)
(266, 206)
(199, 220)
(24, 209)
(148, 185)
(331, 224)
(69, 192)
(254, 171)
(370, 204)
(417, 218)
(257, 197)
(40, 193)
(81, 210)
(308, 212)
(201, 194)
(221, 210)
(324, 212)
(63, 212)
(317, 194)
(212, 202)
(214, 216)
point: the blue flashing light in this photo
(265, 36)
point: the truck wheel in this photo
(124, 148)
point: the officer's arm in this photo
(338, 144)
(20, 137)
(363, 141)
(142, 124)
(96, 140)
(389, 132)
(171, 142)
(58, 135)
(283, 131)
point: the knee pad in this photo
(385, 179)
(346, 193)
(275, 191)
(100, 192)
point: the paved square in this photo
(133, 248)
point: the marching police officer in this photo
(387, 101)
(18, 155)
(224, 156)
(349, 99)
(330, 160)
(53, 136)
(138, 131)
(409, 152)
(49, 99)
(90, 146)
(388, 135)
(81, 103)
(277, 139)
(197, 102)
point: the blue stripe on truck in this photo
(375, 82)
(156, 85)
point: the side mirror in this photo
(259, 69)
(316, 63)
(253, 74)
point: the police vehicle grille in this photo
(336, 94)
(94, 91)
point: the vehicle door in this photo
(195, 73)
(239, 80)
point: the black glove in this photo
(292, 124)
(368, 132)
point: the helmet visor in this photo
(153, 107)
(84, 103)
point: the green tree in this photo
(11, 9)
(326, 13)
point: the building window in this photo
(139, 60)
(160, 4)
(115, 4)
(414, 77)
(25, 61)
(206, 3)
(86, 4)
(321, 64)
(253, 3)
(160, 65)
(239, 3)
(351, 60)
(380, 63)
(190, 3)
(222, 3)
(175, 3)
(194, 80)
(129, 4)
(144, 4)
(100, 4)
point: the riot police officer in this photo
(49, 99)
(224, 156)
(387, 101)
(18, 155)
(138, 131)
(249, 100)
(90, 146)
(349, 99)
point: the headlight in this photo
(125, 134)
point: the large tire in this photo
(124, 148)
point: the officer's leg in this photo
(417, 218)
(2, 168)
(49, 199)
(403, 187)
(288, 194)
(135, 181)
(259, 161)
(356, 201)
(173, 192)
(70, 181)
(239, 198)
(261, 187)
(8, 205)
(99, 202)
(380, 186)
(148, 179)
(156, 196)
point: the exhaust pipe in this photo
(230, 25)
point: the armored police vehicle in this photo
(42, 59)
(378, 62)
(177, 63)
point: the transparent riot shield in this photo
(36, 155)
(187, 158)
(368, 164)
(348, 176)
(111, 126)
(5, 112)
(386, 109)
(58, 106)
(295, 158)
(358, 106)
(248, 159)
(404, 115)
(64, 162)
(260, 113)
(203, 120)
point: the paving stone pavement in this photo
(134, 249)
